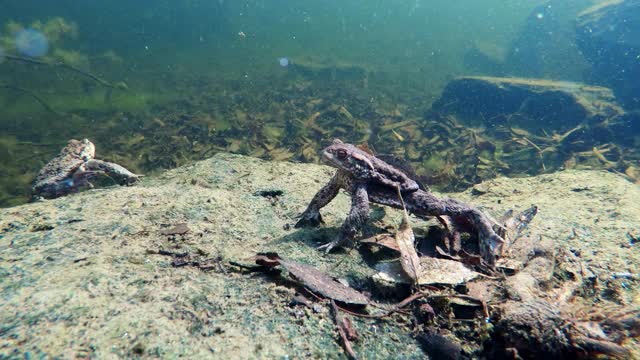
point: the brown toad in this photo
(369, 179)
(72, 170)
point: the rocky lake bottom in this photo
(147, 270)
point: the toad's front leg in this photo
(357, 216)
(311, 216)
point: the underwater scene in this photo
(271, 179)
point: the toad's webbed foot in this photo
(327, 247)
(496, 243)
(470, 219)
(491, 245)
(310, 219)
(337, 242)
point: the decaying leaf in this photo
(433, 140)
(395, 125)
(343, 112)
(406, 243)
(520, 132)
(281, 154)
(397, 135)
(384, 240)
(434, 271)
(324, 284)
(444, 271)
(315, 280)
(309, 152)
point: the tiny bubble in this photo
(539, 16)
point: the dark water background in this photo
(204, 76)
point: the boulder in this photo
(609, 37)
(545, 46)
(532, 104)
(144, 271)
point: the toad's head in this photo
(349, 158)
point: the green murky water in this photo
(158, 84)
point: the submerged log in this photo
(533, 104)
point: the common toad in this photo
(73, 169)
(369, 179)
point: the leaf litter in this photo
(406, 243)
(440, 285)
(315, 280)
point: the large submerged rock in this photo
(545, 46)
(609, 37)
(93, 275)
(534, 104)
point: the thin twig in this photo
(343, 335)
(395, 309)
(485, 308)
(544, 168)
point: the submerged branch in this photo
(62, 64)
(33, 95)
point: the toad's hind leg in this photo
(355, 220)
(118, 173)
(426, 204)
(490, 244)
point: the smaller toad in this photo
(73, 169)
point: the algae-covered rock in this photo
(115, 273)
(144, 270)
(609, 37)
(533, 104)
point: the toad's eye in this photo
(342, 154)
